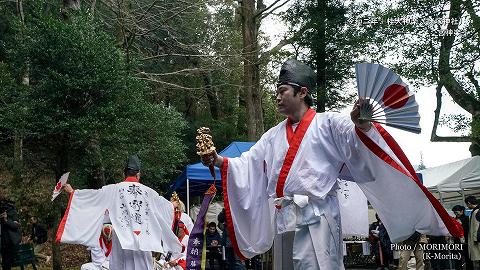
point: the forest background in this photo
(85, 83)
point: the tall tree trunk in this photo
(475, 146)
(190, 105)
(18, 138)
(61, 166)
(17, 158)
(71, 4)
(453, 87)
(211, 95)
(251, 70)
(68, 6)
(97, 170)
(321, 55)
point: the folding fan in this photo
(60, 184)
(389, 101)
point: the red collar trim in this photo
(131, 179)
(294, 142)
(306, 117)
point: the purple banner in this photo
(197, 248)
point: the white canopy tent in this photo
(453, 179)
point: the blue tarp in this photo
(199, 176)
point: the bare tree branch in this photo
(434, 137)
(474, 81)
(262, 11)
(464, 99)
(168, 18)
(281, 44)
(184, 87)
(273, 10)
(186, 70)
(189, 55)
(146, 12)
(169, 84)
(475, 18)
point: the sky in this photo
(414, 145)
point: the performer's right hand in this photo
(68, 188)
(209, 159)
(212, 159)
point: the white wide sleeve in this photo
(163, 210)
(403, 204)
(249, 213)
(82, 221)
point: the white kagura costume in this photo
(308, 162)
(141, 221)
(100, 256)
(181, 259)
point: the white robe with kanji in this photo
(330, 144)
(141, 220)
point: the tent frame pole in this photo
(188, 197)
(463, 192)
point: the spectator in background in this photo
(38, 236)
(10, 232)
(214, 240)
(412, 245)
(213, 236)
(380, 242)
(459, 212)
(233, 262)
(473, 235)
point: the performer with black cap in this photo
(314, 218)
(141, 220)
(287, 181)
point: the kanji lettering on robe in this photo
(134, 190)
(136, 205)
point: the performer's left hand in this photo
(355, 115)
(68, 188)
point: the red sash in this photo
(453, 227)
(294, 139)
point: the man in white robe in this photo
(287, 181)
(180, 214)
(101, 255)
(180, 262)
(141, 220)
